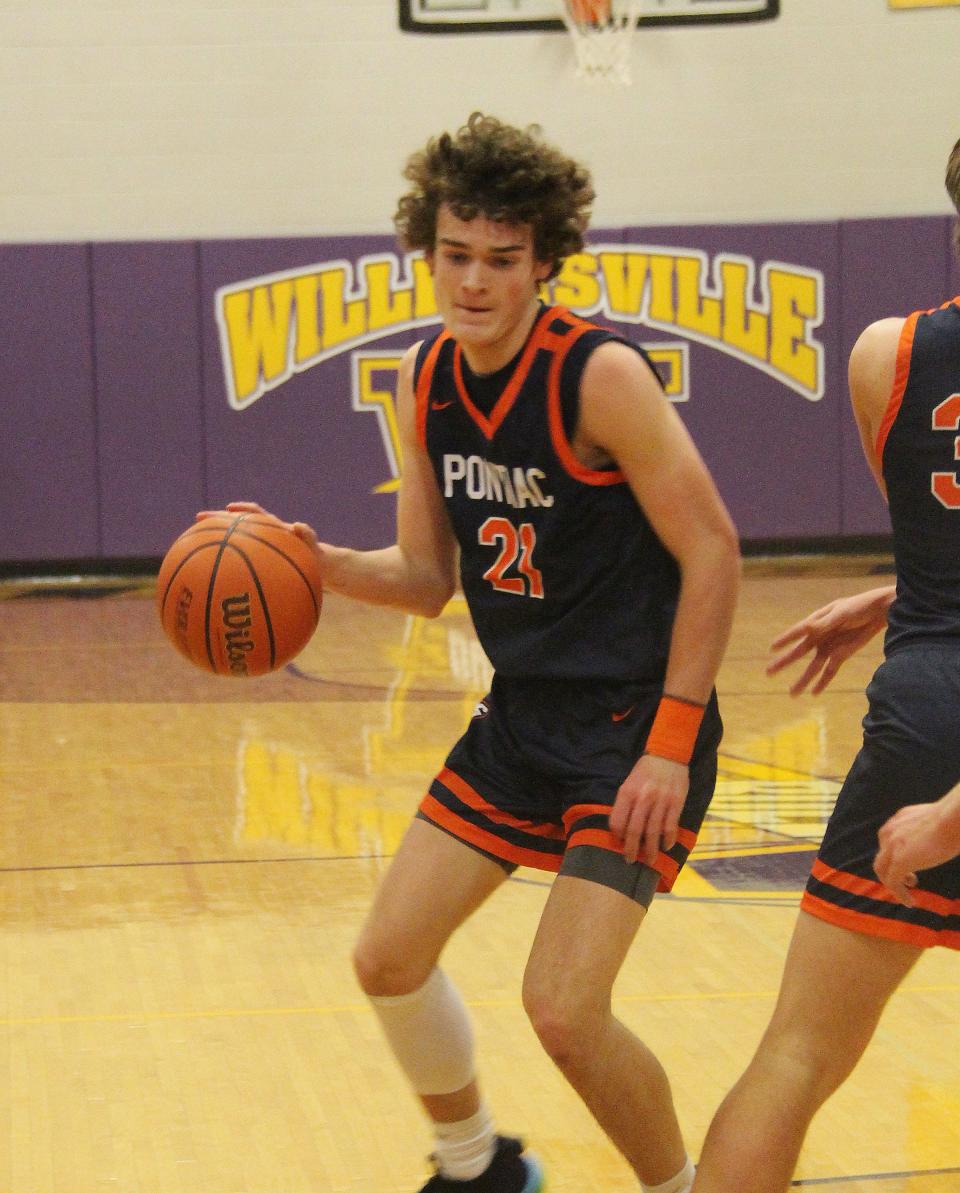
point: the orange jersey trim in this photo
(579, 811)
(665, 865)
(900, 378)
(490, 425)
(424, 381)
(869, 889)
(685, 837)
(561, 444)
(473, 799)
(489, 842)
(871, 925)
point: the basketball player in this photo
(601, 571)
(854, 943)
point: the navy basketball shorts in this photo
(910, 755)
(533, 779)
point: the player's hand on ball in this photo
(301, 529)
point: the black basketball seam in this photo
(176, 572)
(210, 586)
(243, 533)
(263, 599)
(210, 526)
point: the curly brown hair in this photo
(952, 182)
(507, 174)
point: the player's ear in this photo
(543, 270)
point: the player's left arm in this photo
(918, 837)
(625, 415)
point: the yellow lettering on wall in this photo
(695, 311)
(577, 285)
(625, 276)
(794, 308)
(388, 305)
(671, 365)
(743, 329)
(661, 308)
(308, 329)
(342, 320)
(258, 331)
(368, 396)
(424, 296)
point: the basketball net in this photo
(601, 32)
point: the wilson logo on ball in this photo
(236, 623)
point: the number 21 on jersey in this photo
(516, 544)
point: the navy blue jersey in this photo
(562, 572)
(919, 448)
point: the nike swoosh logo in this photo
(441, 405)
(620, 716)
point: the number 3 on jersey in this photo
(946, 417)
(516, 550)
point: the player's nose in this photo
(474, 276)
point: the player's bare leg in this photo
(434, 883)
(583, 938)
(834, 988)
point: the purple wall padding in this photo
(773, 453)
(116, 423)
(150, 418)
(48, 448)
(888, 267)
(300, 450)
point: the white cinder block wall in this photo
(123, 119)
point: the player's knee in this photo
(384, 972)
(801, 1062)
(567, 1027)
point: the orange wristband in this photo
(675, 728)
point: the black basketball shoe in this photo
(512, 1170)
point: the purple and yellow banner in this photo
(143, 381)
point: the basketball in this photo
(239, 594)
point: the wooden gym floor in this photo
(185, 861)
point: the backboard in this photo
(503, 16)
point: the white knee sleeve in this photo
(430, 1034)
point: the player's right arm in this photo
(842, 627)
(418, 572)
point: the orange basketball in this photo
(239, 594)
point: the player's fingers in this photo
(305, 532)
(668, 838)
(799, 630)
(831, 667)
(789, 656)
(633, 835)
(653, 834)
(800, 685)
(245, 507)
(904, 887)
